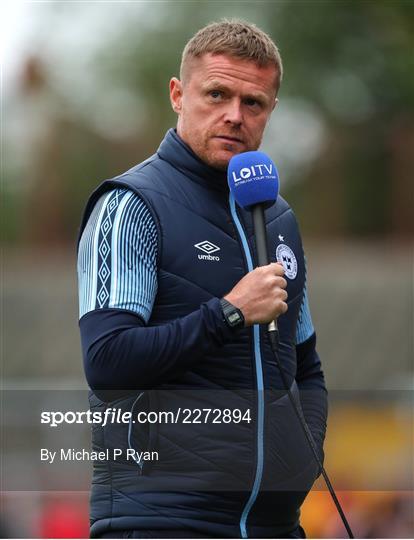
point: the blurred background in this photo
(85, 97)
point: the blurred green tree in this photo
(351, 61)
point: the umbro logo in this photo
(208, 248)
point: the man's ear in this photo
(176, 94)
(275, 103)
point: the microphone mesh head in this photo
(253, 179)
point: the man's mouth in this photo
(229, 139)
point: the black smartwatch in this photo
(232, 315)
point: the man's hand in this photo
(261, 294)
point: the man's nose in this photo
(233, 112)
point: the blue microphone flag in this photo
(253, 179)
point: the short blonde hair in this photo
(235, 38)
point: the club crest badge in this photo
(286, 256)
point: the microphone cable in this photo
(259, 188)
(273, 334)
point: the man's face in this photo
(223, 105)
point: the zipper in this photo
(259, 383)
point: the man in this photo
(170, 309)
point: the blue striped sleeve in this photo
(117, 256)
(304, 326)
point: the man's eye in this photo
(250, 102)
(215, 94)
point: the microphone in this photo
(254, 183)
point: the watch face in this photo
(232, 315)
(234, 318)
